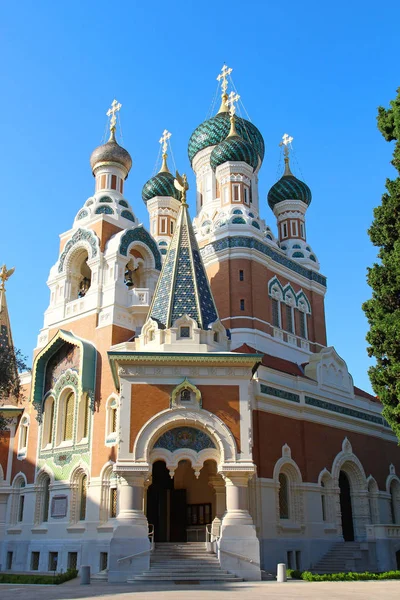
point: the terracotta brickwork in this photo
(223, 401)
(103, 229)
(4, 449)
(228, 292)
(314, 447)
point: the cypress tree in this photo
(383, 309)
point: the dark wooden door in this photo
(178, 516)
(346, 508)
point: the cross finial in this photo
(5, 275)
(164, 140)
(223, 77)
(286, 143)
(115, 107)
(232, 99)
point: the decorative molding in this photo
(139, 234)
(344, 410)
(184, 437)
(254, 244)
(284, 395)
(85, 235)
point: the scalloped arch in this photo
(88, 237)
(140, 234)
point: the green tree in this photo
(383, 309)
(12, 362)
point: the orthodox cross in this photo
(115, 107)
(232, 98)
(286, 142)
(223, 77)
(4, 275)
(164, 140)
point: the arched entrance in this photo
(180, 507)
(346, 507)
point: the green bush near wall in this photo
(39, 579)
(308, 576)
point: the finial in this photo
(164, 141)
(223, 78)
(181, 184)
(4, 276)
(115, 107)
(230, 103)
(287, 144)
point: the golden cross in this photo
(286, 142)
(164, 140)
(4, 275)
(225, 71)
(115, 107)
(232, 98)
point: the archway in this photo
(346, 507)
(181, 503)
(398, 560)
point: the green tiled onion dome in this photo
(289, 188)
(111, 151)
(234, 149)
(161, 184)
(215, 130)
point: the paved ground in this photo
(359, 590)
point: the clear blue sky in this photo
(315, 70)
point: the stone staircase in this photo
(342, 557)
(184, 562)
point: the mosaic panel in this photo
(82, 234)
(128, 215)
(67, 357)
(266, 389)
(184, 437)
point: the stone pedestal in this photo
(129, 546)
(239, 548)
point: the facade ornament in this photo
(5, 275)
(112, 112)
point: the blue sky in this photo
(315, 70)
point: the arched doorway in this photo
(180, 507)
(398, 560)
(346, 507)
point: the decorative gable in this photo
(330, 371)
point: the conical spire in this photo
(183, 287)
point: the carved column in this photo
(131, 496)
(216, 482)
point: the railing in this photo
(211, 537)
(240, 557)
(144, 552)
(383, 531)
(139, 297)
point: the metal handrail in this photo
(240, 556)
(211, 537)
(144, 552)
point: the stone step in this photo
(203, 578)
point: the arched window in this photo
(79, 489)
(108, 503)
(79, 274)
(373, 500)
(82, 497)
(23, 435)
(112, 420)
(395, 501)
(18, 500)
(68, 424)
(283, 496)
(42, 498)
(48, 422)
(83, 418)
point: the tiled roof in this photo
(183, 286)
(359, 392)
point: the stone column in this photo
(129, 546)
(217, 482)
(239, 548)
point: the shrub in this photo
(308, 576)
(293, 573)
(39, 579)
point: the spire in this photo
(223, 78)
(5, 327)
(183, 287)
(230, 103)
(115, 107)
(287, 144)
(164, 141)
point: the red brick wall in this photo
(314, 446)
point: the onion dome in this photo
(161, 184)
(289, 188)
(111, 151)
(234, 149)
(215, 130)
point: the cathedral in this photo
(183, 406)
